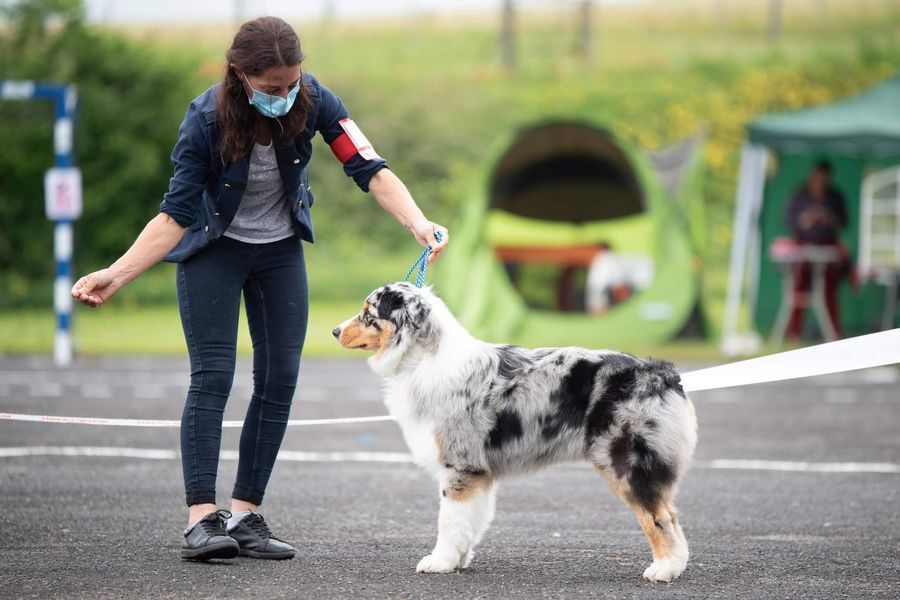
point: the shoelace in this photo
(258, 525)
(214, 523)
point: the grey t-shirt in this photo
(263, 215)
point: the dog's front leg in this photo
(467, 501)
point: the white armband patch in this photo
(362, 144)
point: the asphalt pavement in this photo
(795, 493)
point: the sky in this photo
(155, 11)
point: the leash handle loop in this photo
(422, 263)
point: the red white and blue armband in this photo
(352, 142)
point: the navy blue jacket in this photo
(204, 194)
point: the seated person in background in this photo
(816, 214)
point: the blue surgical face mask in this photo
(273, 106)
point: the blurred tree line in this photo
(132, 100)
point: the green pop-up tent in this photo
(860, 137)
(563, 185)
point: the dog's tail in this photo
(660, 377)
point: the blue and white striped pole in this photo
(63, 197)
(62, 296)
(63, 145)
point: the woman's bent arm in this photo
(157, 239)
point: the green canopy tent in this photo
(860, 137)
(563, 187)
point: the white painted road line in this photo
(45, 390)
(96, 390)
(841, 396)
(722, 464)
(881, 376)
(76, 377)
(148, 392)
(88, 451)
(802, 467)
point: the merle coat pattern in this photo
(473, 412)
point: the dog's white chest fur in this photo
(418, 432)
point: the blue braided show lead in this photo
(422, 262)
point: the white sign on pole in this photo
(62, 193)
(17, 90)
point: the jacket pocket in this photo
(202, 224)
(305, 196)
(229, 198)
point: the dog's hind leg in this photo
(670, 549)
(467, 507)
(649, 492)
(659, 522)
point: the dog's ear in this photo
(417, 312)
(389, 300)
(402, 307)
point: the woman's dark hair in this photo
(258, 45)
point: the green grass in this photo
(143, 316)
(149, 330)
(156, 330)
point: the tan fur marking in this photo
(352, 336)
(660, 544)
(440, 449)
(464, 492)
(656, 525)
(357, 336)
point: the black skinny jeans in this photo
(272, 278)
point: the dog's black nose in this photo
(336, 332)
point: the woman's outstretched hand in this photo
(423, 230)
(96, 288)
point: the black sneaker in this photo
(256, 541)
(207, 539)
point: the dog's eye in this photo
(367, 319)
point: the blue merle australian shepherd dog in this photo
(473, 413)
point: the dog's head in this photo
(390, 314)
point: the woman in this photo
(233, 219)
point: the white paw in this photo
(435, 564)
(465, 559)
(666, 569)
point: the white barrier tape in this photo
(158, 423)
(852, 354)
(164, 454)
(863, 352)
